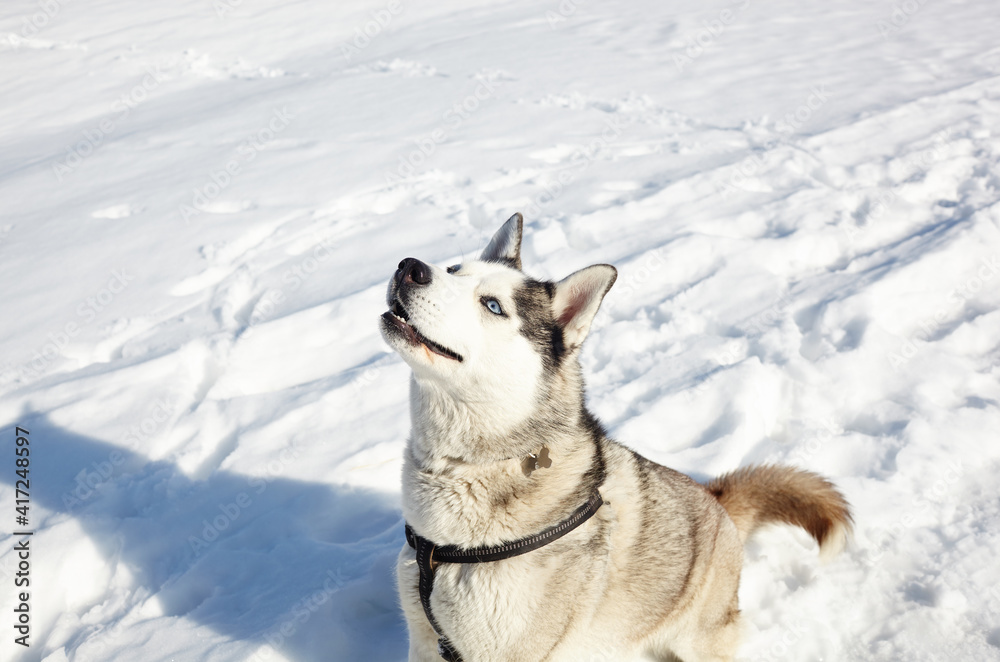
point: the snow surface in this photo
(801, 199)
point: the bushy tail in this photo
(754, 496)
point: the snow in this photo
(204, 201)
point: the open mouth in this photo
(399, 318)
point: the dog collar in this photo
(429, 556)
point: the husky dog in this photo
(503, 455)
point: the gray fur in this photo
(653, 575)
(505, 246)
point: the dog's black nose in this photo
(412, 270)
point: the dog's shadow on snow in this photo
(303, 568)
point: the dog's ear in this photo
(577, 298)
(506, 243)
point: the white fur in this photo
(494, 388)
(652, 575)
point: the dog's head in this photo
(483, 329)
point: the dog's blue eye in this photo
(453, 268)
(494, 306)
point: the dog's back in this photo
(503, 450)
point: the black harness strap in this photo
(430, 555)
